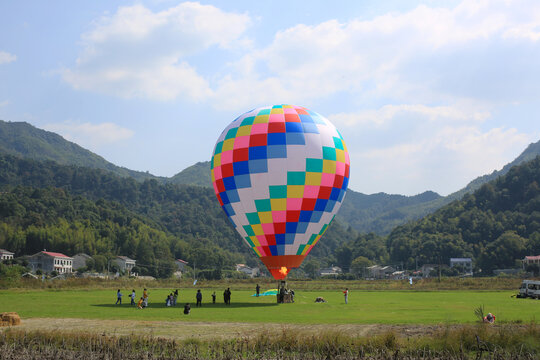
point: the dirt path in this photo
(207, 330)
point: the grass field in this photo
(365, 307)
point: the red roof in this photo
(537, 257)
(55, 254)
(182, 261)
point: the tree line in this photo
(76, 209)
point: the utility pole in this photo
(194, 271)
(439, 268)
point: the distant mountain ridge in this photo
(25, 140)
(378, 213)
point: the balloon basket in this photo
(284, 295)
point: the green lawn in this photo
(365, 307)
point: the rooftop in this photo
(55, 254)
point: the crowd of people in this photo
(171, 299)
(284, 295)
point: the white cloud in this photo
(386, 114)
(6, 58)
(395, 56)
(137, 53)
(90, 135)
(449, 158)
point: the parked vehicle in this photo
(529, 288)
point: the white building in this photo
(331, 271)
(124, 263)
(251, 272)
(531, 260)
(380, 272)
(5, 255)
(48, 261)
(465, 263)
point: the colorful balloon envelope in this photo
(280, 174)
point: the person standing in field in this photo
(214, 297)
(175, 297)
(140, 303)
(227, 296)
(346, 293)
(132, 296)
(118, 297)
(199, 298)
(257, 289)
(145, 297)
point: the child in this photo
(132, 297)
(187, 309)
(140, 304)
(145, 297)
(118, 297)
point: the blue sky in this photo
(428, 95)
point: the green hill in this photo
(496, 225)
(25, 140)
(187, 219)
(198, 174)
(378, 213)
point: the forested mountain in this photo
(198, 174)
(25, 140)
(72, 208)
(532, 151)
(378, 213)
(496, 225)
(188, 219)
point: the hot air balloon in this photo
(280, 174)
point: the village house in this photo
(48, 262)
(79, 260)
(180, 264)
(251, 272)
(5, 255)
(380, 272)
(427, 269)
(465, 263)
(124, 263)
(531, 260)
(330, 271)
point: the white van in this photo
(530, 288)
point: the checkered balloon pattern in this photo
(280, 174)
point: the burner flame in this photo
(284, 270)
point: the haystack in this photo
(10, 319)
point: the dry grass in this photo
(473, 341)
(492, 283)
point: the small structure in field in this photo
(10, 319)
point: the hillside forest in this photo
(71, 209)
